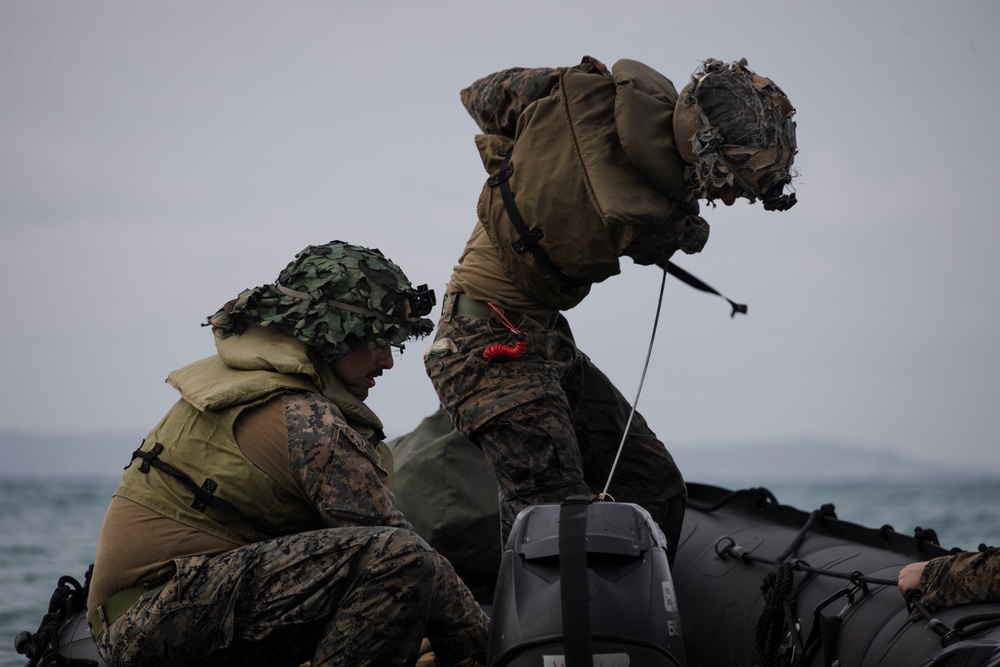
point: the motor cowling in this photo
(585, 583)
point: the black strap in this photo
(574, 586)
(528, 239)
(147, 457)
(688, 279)
(204, 495)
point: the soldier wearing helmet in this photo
(255, 524)
(588, 165)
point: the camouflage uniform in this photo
(342, 578)
(586, 167)
(964, 578)
(550, 421)
(362, 591)
(497, 100)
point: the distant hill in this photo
(808, 460)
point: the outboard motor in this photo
(585, 584)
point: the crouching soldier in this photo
(255, 525)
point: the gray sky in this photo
(156, 158)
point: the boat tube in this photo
(756, 583)
(760, 583)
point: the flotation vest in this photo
(190, 467)
(590, 163)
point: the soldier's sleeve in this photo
(336, 468)
(964, 578)
(496, 101)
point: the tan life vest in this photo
(590, 162)
(214, 488)
(207, 482)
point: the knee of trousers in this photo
(402, 549)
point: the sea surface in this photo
(49, 527)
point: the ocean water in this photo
(49, 527)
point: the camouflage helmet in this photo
(735, 128)
(337, 298)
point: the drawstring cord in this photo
(659, 305)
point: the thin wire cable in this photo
(642, 378)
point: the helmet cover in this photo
(735, 127)
(337, 298)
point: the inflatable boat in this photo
(760, 583)
(754, 582)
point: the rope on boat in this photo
(42, 647)
(778, 637)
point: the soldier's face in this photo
(359, 369)
(728, 194)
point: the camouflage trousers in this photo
(549, 421)
(340, 596)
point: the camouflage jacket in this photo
(964, 578)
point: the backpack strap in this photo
(528, 238)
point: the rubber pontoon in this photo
(757, 583)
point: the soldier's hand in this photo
(909, 577)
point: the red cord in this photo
(507, 351)
(504, 350)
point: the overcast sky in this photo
(156, 158)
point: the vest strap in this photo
(204, 495)
(529, 238)
(698, 284)
(148, 458)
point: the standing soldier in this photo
(587, 166)
(255, 525)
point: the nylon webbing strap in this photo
(697, 283)
(528, 238)
(573, 585)
(204, 495)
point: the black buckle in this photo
(501, 176)
(526, 242)
(203, 496)
(147, 457)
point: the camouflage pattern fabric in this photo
(549, 421)
(363, 590)
(496, 101)
(343, 596)
(964, 578)
(336, 297)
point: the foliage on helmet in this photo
(735, 127)
(337, 298)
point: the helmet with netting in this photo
(735, 128)
(337, 298)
